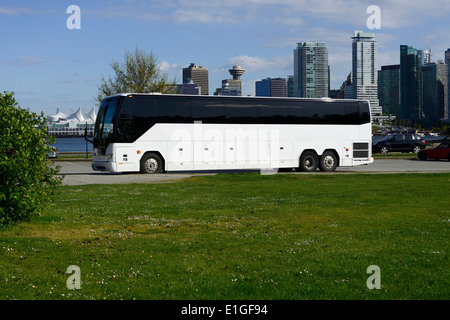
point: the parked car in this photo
(442, 151)
(402, 142)
(53, 153)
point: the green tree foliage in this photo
(139, 73)
(27, 177)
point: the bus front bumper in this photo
(103, 166)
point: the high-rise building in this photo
(364, 69)
(389, 89)
(290, 86)
(425, 56)
(311, 70)
(447, 62)
(435, 104)
(410, 84)
(199, 76)
(271, 87)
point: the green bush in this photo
(27, 176)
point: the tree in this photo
(139, 73)
(27, 177)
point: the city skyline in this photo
(55, 67)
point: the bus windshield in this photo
(104, 126)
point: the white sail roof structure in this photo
(90, 116)
(58, 116)
(77, 116)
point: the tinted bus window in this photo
(352, 112)
(173, 110)
(364, 112)
(144, 114)
(302, 112)
(272, 112)
(208, 110)
(125, 121)
(240, 111)
(331, 113)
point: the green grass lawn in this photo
(237, 236)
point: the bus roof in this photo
(232, 97)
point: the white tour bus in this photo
(154, 133)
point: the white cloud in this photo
(14, 11)
(255, 63)
(29, 60)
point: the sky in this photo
(49, 64)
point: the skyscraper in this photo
(447, 62)
(290, 86)
(364, 69)
(435, 105)
(389, 89)
(199, 76)
(311, 70)
(410, 84)
(425, 56)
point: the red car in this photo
(442, 151)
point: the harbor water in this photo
(71, 144)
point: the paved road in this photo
(80, 172)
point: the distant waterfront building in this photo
(199, 76)
(411, 99)
(334, 94)
(425, 56)
(73, 124)
(311, 70)
(189, 87)
(346, 90)
(389, 89)
(435, 86)
(232, 87)
(271, 87)
(290, 86)
(364, 69)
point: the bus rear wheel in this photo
(328, 161)
(151, 163)
(308, 162)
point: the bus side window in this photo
(364, 112)
(173, 110)
(125, 123)
(208, 110)
(352, 112)
(144, 114)
(275, 112)
(241, 111)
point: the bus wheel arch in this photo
(152, 162)
(308, 161)
(329, 160)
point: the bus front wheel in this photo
(151, 163)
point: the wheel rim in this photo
(151, 165)
(309, 163)
(416, 149)
(328, 162)
(384, 150)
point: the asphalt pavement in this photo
(81, 173)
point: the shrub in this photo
(27, 176)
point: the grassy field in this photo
(237, 236)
